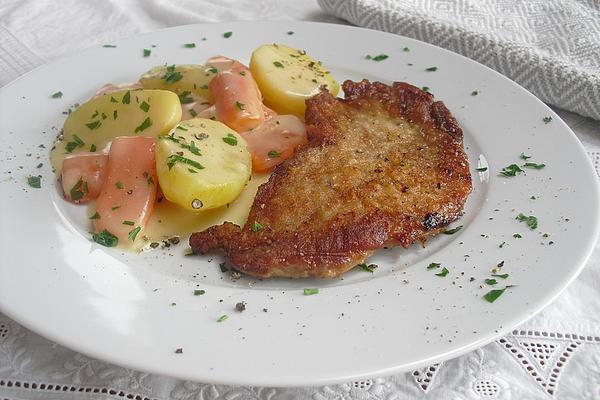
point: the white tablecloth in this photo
(554, 355)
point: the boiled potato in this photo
(203, 164)
(180, 78)
(124, 113)
(287, 77)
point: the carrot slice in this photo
(82, 176)
(127, 198)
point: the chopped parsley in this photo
(192, 148)
(57, 95)
(511, 170)
(120, 185)
(222, 318)
(95, 216)
(172, 76)
(290, 32)
(182, 128)
(144, 125)
(144, 106)
(256, 226)
(185, 98)
(230, 139)
(273, 154)
(227, 35)
(530, 220)
(525, 157)
(115, 114)
(482, 169)
(431, 69)
(277, 64)
(239, 106)
(213, 70)
(199, 292)
(379, 57)
(368, 268)
(94, 125)
(130, 223)
(406, 49)
(113, 208)
(311, 291)
(493, 295)
(79, 190)
(189, 45)
(113, 100)
(433, 266)
(147, 52)
(40, 165)
(75, 143)
(474, 93)
(34, 181)
(109, 46)
(502, 276)
(547, 120)
(491, 281)
(133, 233)
(126, 98)
(105, 238)
(517, 235)
(92, 148)
(533, 165)
(453, 230)
(443, 273)
(425, 89)
(175, 158)
(193, 112)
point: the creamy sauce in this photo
(169, 220)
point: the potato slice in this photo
(203, 164)
(180, 78)
(125, 113)
(287, 77)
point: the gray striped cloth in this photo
(550, 47)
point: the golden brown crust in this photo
(385, 166)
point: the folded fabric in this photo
(550, 47)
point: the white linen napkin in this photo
(550, 47)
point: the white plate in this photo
(117, 306)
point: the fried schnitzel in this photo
(385, 166)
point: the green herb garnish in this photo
(517, 235)
(240, 106)
(94, 125)
(482, 169)
(110, 46)
(474, 93)
(431, 69)
(493, 295)
(425, 89)
(144, 125)
(273, 154)
(256, 226)
(105, 238)
(130, 223)
(34, 181)
(230, 140)
(126, 98)
(193, 112)
(189, 45)
(525, 157)
(290, 32)
(133, 233)
(95, 216)
(147, 52)
(277, 64)
(443, 273)
(113, 208)
(511, 170)
(547, 120)
(172, 76)
(185, 98)
(222, 318)
(502, 276)
(533, 165)
(92, 148)
(199, 292)
(433, 266)
(57, 95)
(40, 165)
(79, 190)
(311, 291)
(530, 220)
(227, 35)
(144, 106)
(175, 158)
(453, 230)
(379, 57)
(491, 281)
(75, 143)
(368, 268)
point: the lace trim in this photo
(557, 336)
(595, 157)
(424, 377)
(55, 388)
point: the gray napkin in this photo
(550, 47)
